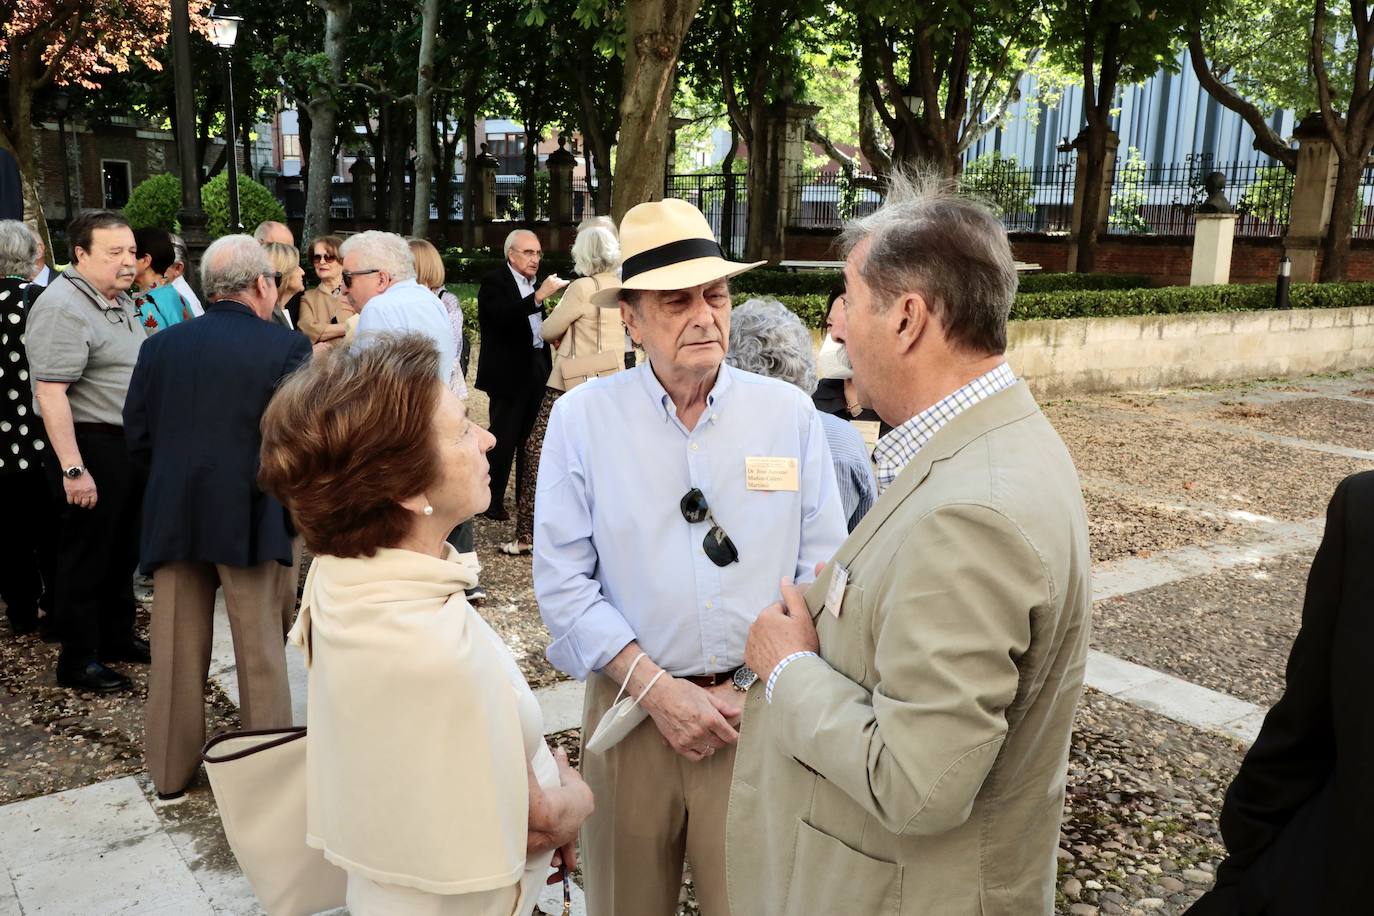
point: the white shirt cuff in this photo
(773, 678)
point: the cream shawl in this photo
(416, 762)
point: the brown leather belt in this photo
(712, 680)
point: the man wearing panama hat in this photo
(672, 499)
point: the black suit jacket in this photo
(11, 187)
(507, 361)
(1298, 819)
(195, 402)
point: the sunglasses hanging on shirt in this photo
(717, 545)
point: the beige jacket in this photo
(920, 767)
(575, 320)
(317, 308)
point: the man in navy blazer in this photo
(197, 396)
(513, 365)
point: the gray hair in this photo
(512, 236)
(597, 248)
(18, 251)
(382, 251)
(952, 250)
(265, 228)
(232, 264)
(768, 339)
(179, 247)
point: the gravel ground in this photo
(1124, 525)
(1167, 457)
(1230, 631)
(53, 739)
(1322, 419)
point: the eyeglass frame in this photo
(323, 257)
(348, 275)
(716, 539)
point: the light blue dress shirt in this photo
(614, 559)
(409, 307)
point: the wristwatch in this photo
(74, 471)
(744, 678)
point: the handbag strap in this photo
(572, 354)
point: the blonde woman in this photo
(290, 277)
(578, 329)
(325, 309)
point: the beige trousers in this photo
(259, 599)
(653, 806)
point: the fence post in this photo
(560, 165)
(487, 167)
(1314, 189)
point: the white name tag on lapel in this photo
(834, 596)
(774, 474)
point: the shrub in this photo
(1053, 283)
(154, 203)
(256, 205)
(774, 282)
(461, 266)
(999, 182)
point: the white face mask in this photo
(833, 361)
(623, 716)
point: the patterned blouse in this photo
(457, 383)
(21, 431)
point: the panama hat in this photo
(667, 244)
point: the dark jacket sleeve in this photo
(137, 434)
(499, 312)
(298, 355)
(1294, 755)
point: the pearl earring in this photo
(429, 510)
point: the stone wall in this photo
(1082, 355)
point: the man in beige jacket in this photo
(905, 749)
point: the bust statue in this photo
(1216, 201)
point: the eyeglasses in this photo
(531, 253)
(718, 546)
(349, 275)
(326, 258)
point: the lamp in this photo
(224, 29)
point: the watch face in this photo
(745, 677)
(73, 473)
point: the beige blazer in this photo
(317, 308)
(920, 768)
(575, 320)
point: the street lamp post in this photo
(1064, 149)
(61, 100)
(191, 217)
(224, 28)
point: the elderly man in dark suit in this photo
(197, 396)
(1296, 818)
(513, 365)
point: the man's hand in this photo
(81, 491)
(780, 630)
(691, 720)
(729, 701)
(552, 284)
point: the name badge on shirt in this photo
(770, 473)
(834, 596)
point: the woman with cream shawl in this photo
(428, 778)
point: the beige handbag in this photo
(577, 369)
(259, 782)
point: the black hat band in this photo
(671, 253)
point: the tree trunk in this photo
(1094, 156)
(424, 118)
(1344, 201)
(653, 40)
(396, 148)
(767, 184)
(323, 112)
(469, 178)
(529, 192)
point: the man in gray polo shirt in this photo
(82, 342)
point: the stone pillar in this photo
(487, 167)
(793, 146)
(560, 165)
(364, 201)
(1080, 181)
(1314, 189)
(268, 176)
(1212, 239)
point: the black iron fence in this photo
(724, 199)
(822, 199)
(1163, 199)
(1027, 199)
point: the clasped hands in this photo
(697, 721)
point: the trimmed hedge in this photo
(775, 282)
(1054, 283)
(471, 266)
(1167, 300)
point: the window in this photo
(114, 180)
(291, 146)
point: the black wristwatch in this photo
(744, 678)
(74, 471)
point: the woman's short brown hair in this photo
(330, 242)
(429, 266)
(350, 435)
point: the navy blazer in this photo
(191, 418)
(504, 365)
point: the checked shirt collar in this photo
(895, 450)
